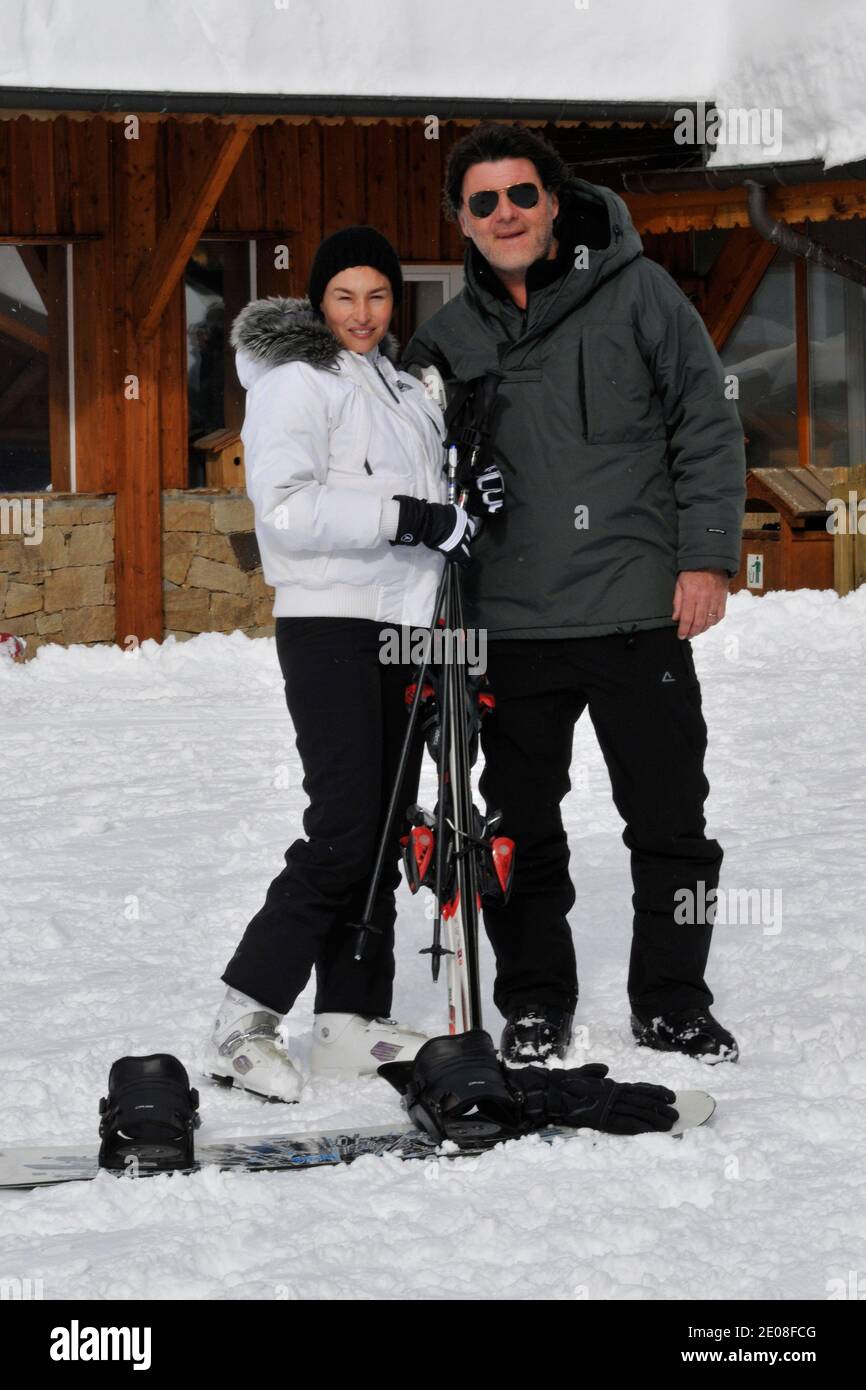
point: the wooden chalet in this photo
(131, 236)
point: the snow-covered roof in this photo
(793, 57)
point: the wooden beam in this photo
(58, 369)
(247, 234)
(804, 395)
(161, 270)
(93, 164)
(138, 509)
(23, 332)
(734, 277)
(858, 482)
(46, 238)
(700, 209)
(138, 504)
(235, 296)
(173, 393)
(849, 547)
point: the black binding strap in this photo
(149, 1115)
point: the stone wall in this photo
(211, 569)
(57, 569)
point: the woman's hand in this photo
(440, 526)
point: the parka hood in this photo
(275, 330)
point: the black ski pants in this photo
(644, 702)
(349, 716)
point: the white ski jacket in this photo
(330, 436)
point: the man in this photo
(624, 474)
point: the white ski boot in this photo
(244, 1050)
(352, 1045)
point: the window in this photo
(801, 408)
(837, 366)
(217, 285)
(425, 289)
(33, 368)
(761, 353)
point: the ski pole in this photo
(437, 950)
(365, 926)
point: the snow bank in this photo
(147, 803)
(557, 50)
(806, 62)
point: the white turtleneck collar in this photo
(372, 356)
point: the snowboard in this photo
(41, 1167)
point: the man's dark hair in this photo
(490, 141)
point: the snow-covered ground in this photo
(144, 812)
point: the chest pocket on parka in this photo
(618, 394)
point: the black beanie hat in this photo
(353, 246)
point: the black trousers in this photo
(350, 718)
(644, 701)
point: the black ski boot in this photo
(692, 1031)
(149, 1116)
(535, 1033)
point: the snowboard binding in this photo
(149, 1116)
(456, 1089)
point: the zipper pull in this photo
(385, 382)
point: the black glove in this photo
(440, 526)
(582, 1098)
(487, 493)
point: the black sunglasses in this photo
(522, 195)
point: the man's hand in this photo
(699, 600)
(487, 493)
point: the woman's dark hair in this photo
(490, 141)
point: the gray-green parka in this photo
(623, 459)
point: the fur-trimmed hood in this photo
(276, 330)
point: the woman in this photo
(343, 459)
